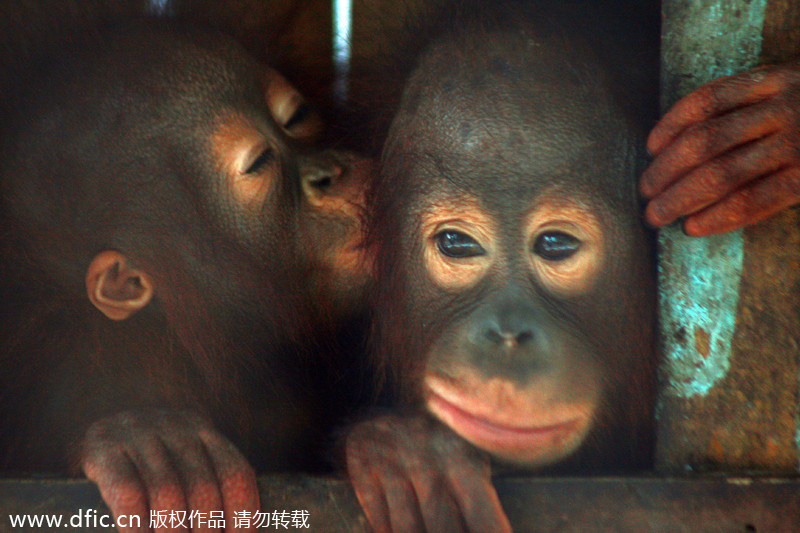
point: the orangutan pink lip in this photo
(486, 433)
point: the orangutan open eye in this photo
(556, 246)
(458, 245)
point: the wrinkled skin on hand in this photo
(728, 154)
(397, 463)
(167, 459)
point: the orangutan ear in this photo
(116, 288)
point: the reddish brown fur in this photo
(108, 147)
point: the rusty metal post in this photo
(729, 305)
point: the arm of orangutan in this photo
(728, 154)
(167, 460)
(411, 473)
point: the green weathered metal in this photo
(730, 324)
(699, 278)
